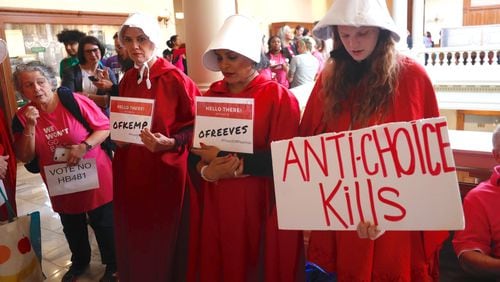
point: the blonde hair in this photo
(375, 82)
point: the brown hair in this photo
(375, 80)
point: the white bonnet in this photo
(147, 23)
(239, 34)
(356, 13)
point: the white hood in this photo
(356, 13)
(147, 23)
(239, 34)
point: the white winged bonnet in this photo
(356, 13)
(239, 34)
(151, 29)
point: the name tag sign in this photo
(63, 179)
(400, 176)
(224, 122)
(128, 116)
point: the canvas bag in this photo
(20, 247)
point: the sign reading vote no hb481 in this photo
(400, 176)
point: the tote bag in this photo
(20, 247)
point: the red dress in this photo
(10, 177)
(239, 238)
(149, 187)
(396, 255)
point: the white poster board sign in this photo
(224, 122)
(128, 116)
(400, 176)
(63, 179)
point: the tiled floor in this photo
(32, 196)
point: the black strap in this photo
(10, 209)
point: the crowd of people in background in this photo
(165, 211)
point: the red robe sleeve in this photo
(10, 177)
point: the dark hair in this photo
(89, 40)
(68, 36)
(171, 41)
(271, 39)
(33, 66)
(306, 31)
(167, 52)
(115, 36)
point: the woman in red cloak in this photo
(366, 82)
(151, 179)
(239, 238)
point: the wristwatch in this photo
(88, 147)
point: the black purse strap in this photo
(10, 210)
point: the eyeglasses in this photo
(90, 51)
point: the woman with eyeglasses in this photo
(90, 78)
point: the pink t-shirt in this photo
(279, 73)
(60, 128)
(482, 221)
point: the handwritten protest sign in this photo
(400, 176)
(63, 179)
(225, 122)
(128, 116)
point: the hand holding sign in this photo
(76, 153)
(156, 142)
(206, 152)
(223, 167)
(367, 230)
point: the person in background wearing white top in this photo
(304, 66)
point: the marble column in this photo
(203, 18)
(400, 16)
(418, 24)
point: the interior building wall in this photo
(154, 8)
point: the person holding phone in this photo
(45, 129)
(90, 77)
(278, 61)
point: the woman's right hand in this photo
(206, 152)
(31, 114)
(222, 167)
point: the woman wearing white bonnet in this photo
(239, 238)
(366, 82)
(150, 179)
